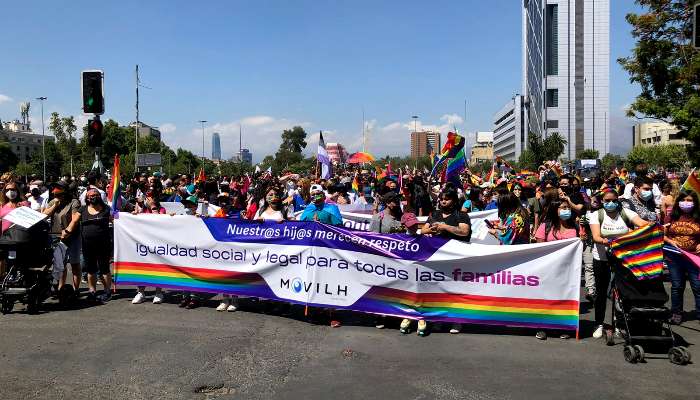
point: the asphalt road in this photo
(125, 351)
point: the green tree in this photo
(54, 160)
(293, 140)
(667, 68)
(528, 160)
(8, 159)
(611, 161)
(588, 154)
(546, 149)
(25, 169)
(667, 156)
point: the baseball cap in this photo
(409, 220)
(316, 188)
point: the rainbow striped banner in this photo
(641, 251)
(417, 277)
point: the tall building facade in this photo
(23, 142)
(566, 71)
(510, 129)
(424, 142)
(215, 146)
(243, 156)
(482, 150)
(146, 130)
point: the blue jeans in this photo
(679, 274)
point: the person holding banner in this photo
(448, 222)
(684, 232)
(96, 237)
(558, 223)
(273, 209)
(606, 224)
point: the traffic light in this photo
(95, 132)
(93, 97)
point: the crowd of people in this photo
(542, 206)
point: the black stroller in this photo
(28, 259)
(640, 314)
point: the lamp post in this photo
(43, 147)
(202, 121)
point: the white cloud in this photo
(452, 119)
(167, 127)
(5, 99)
(261, 134)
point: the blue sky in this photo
(271, 65)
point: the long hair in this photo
(555, 222)
(676, 212)
(267, 205)
(508, 203)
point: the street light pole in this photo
(202, 121)
(43, 147)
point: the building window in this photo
(553, 123)
(552, 40)
(552, 98)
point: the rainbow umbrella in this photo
(360, 157)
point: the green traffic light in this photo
(90, 101)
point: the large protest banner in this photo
(535, 285)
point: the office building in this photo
(244, 155)
(23, 142)
(510, 132)
(146, 130)
(482, 149)
(336, 153)
(566, 71)
(215, 146)
(655, 133)
(424, 142)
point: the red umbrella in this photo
(360, 157)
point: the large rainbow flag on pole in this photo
(452, 147)
(115, 192)
(692, 183)
(641, 251)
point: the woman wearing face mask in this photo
(606, 224)
(684, 232)
(559, 223)
(97, 243)
(272, 208)
(14, 200)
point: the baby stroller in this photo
(640, 315)
(28, 259)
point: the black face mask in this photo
(35, 193)
(93, 200)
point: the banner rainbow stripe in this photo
(459, 308)
(191, 279)
(641, 251)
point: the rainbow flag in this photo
(114, 193)
(201, 177)
(380, 172)
(453, 145)
(455, 166)
(476, 309)
(355, 184)
(641, 251)
(692, 183)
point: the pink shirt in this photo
(6, 209)
(566, 234)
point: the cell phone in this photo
(489, 223)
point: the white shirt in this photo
(654, 189)
(610, 229)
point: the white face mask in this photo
(11, 194)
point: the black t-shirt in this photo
(457, 217)
(95, 227)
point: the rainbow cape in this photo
(641, 251)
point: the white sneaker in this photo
(456, 328)
(158, 298)
(222, 306)
(138, 299)
(598, 333)
(232, 307)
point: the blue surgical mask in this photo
(610, 205)
(645, 194)
(565, 214)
